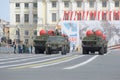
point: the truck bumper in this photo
(54, 49)
(92, 48)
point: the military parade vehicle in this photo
(94, 41)
(39, 43)
(49, 41)
(57, 43)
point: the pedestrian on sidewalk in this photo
(14, 48)
(31, 48)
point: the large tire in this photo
(63, 52)
(105, 50)
(85, 51)
(101, 51)
(48, 52)
(36, 50)
(68, 50)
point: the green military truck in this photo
(57, 43)
(39, 43)
(94, 43)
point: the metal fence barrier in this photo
(6, 49)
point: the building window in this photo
(116, 3)
(91, 4)
(53, 17)
(54, 3)
(26, 5)
(26, 17)
(17, 17)
(35, 5)
(26, 32)
(79, 3)
(104, 3)
(35, 18)
(17, 5)
(66, 4)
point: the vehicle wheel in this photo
(68, 50)
(63, 52)
(101, 52)
(85, 51)
(105, 50)
(36, 51)
(48, 51)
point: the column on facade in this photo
(12, 14)
(73, 9)
(99, 9)
(85, 9)
(47, 12)
(111, 8)
(41, 14)
(60, 12)
(21, 13)
(96, 9)
(30, 13)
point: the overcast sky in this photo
(4, 10)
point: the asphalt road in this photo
(73, 66)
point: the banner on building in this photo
(71, 29)
(76, 30)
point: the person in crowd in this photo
(31, 48)
(14, 48)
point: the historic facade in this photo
(27, 17)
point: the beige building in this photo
(27, 17)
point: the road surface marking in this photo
(32, 62)
(83, 63)
(43, 63)
(55, 62)
(27, 58)
(19, 57)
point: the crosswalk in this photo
(22, 61)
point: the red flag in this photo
(98, 15)
(66, 15)
(78, 15)
(94, 14)
(91, 15)
(71, 14)
(83, 15)
(87, 14)
(119, 15)
(102, 14)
